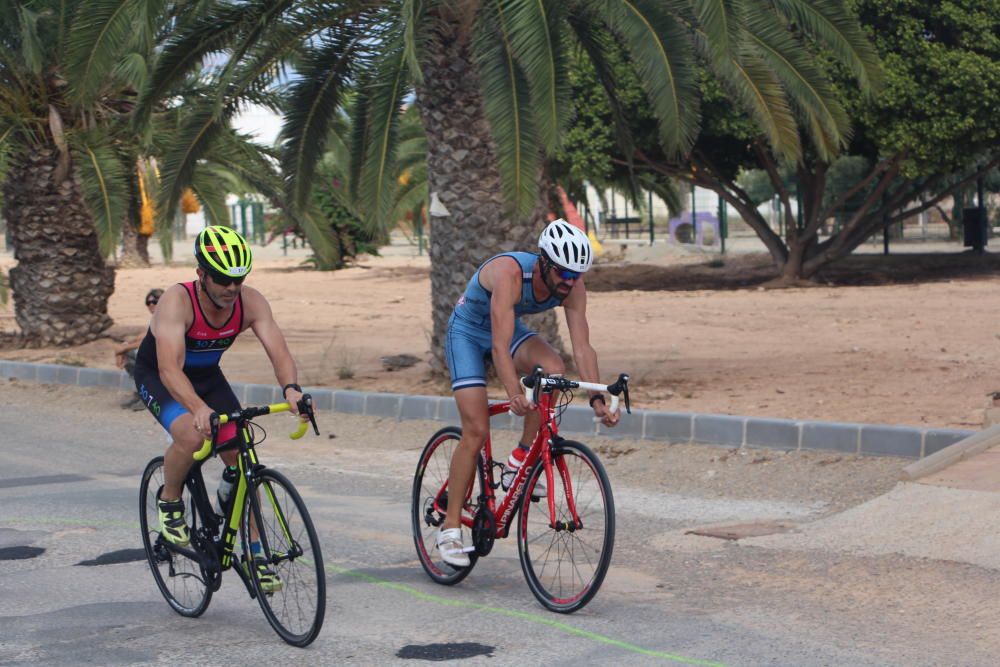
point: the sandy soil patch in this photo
(705, 337)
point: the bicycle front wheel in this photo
(179, 579)
(288, 573)
(430, 502)
(566, 556)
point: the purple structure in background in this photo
(701, 219)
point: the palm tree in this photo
(69, 75)
(490, 84)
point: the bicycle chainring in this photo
(211, 568)
(484, 531)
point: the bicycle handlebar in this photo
(538, 380)
(305, 409)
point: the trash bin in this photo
(974, 225)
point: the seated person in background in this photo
(125, 353)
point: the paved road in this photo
(68, 491)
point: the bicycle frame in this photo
(548, 433)
(215, 548)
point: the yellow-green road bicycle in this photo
(287, 577)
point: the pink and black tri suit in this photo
(203, 348)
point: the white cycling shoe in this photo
(449, 544)
(507, 478)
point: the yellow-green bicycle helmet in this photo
(222, 251)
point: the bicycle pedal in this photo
(468, 550)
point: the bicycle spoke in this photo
(179, 578)
(564, 567)
(429, 488)
(294, 598)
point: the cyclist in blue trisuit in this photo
(486, 321)
(177, 369)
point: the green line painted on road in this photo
(524, 616)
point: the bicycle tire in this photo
(432, 476)
(565, 568)
(296, 609)
(178, 578)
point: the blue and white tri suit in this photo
(469, 339)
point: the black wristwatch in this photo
(595, 397)
(290, 385)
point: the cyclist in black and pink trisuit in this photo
(177, 369)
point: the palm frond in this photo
(660, 50)
(317, 230)
(191, 142)
(830, 23)
(530, 28)
(214, 31)
(255, 167)
(385, 91)
(32, 48)
(507, 99)
(720, 26)
(132, 69)
(99, 31)
(805, 83)
(597, 43)
(413, 37)
(312, 106)
(211, 186)
(105, 186)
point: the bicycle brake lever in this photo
(213, 422)
(621, 387)
(306, 406)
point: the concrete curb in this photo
(672, 427)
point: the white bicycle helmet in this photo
(566, 246)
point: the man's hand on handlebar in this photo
(292, 397)
(604, 413)
(203, 421)
(520, 405)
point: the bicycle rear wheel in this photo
(295, 602)
(179, 579)
(430, 502)
(565, 563)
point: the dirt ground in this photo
(897, 340)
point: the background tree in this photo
(51, 123)
(930, 131)
(491, 89)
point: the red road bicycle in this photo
(565, 539)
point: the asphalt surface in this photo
(69, 476)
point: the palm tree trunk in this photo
(131, 257)
(61, 284)
(462, 170)
(134, 251)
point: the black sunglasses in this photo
(152, 302)
(226, 281)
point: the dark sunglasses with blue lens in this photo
(566, 274)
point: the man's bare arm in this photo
(260, 318)
(503, 279)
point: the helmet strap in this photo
(546, 265)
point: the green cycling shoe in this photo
(172, 525)
(269, 580)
